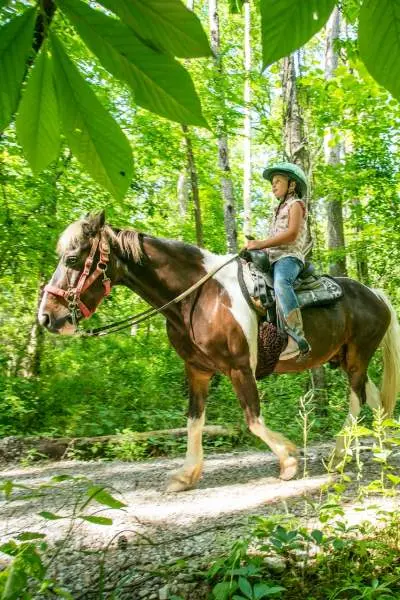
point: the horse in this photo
(214, 329)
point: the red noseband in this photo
(73, 295)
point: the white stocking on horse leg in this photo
(188, 475)
(342, 439)
(279, 445)
(373, 395)
(246, 389)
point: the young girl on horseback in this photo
(286, 246)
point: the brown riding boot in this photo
(297, 343)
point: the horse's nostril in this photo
(44, 319)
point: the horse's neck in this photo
(167, 269)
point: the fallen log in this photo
(14, 448)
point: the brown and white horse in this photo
(214, 329)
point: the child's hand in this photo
(254, 244)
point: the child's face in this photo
(280, 185)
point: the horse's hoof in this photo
(175, 485)
(184, 479)
(288, 468)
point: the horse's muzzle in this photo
(62, 325)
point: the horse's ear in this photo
(93, 223)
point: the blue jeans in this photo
(286, 270)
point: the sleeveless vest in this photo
(280, 224)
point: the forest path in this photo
(161, 528)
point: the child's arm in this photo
(296, 215)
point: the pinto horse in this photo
(214, 328)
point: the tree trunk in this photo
(30, 363)
(336, 242)
(247, 228)
(194, 187)
(295, 144)
(361, 252)
(192, 176)
(223, 151)
(296, 150)
(182, 192)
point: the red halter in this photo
(72, 295)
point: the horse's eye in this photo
(70, 261)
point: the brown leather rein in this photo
(77, 308)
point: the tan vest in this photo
(280, 224)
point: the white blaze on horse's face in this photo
(245, 317)
(52, 314)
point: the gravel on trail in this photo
(160, 545)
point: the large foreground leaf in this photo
(379, 42)
(159, 82)
(288, 24)
(15, 46)
(165, 24)
(93, 135)
(38, 128)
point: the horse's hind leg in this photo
(246, 389)
(373, 395)
(187, 476)
(361, 390)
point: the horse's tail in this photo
(391, 358)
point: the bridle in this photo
(77, 308)
(72, 295)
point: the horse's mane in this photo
(128, 241)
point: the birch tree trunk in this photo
(336, 242)
(182, 192)
(30, 363)
(223, 151)
(293, 124)
(247, 228)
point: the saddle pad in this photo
(322, 290)
(313, 291)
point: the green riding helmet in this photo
(293, 172)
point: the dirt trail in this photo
(157, 529)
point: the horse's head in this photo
(81, 279)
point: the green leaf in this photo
(103, 497)
(96, 520)
(38, 128)
(261, 590)
(59, 478)
(50, 516)
(7, 488)
(245, 587)
(10, 547)
(166, 24)
(158, 81)
(393, 478)
(288, 24)
(224, 589)
(317, 535)
(92, 134)
(30, 535)
(16, 581)
(235, 6)
(15, 46)
(379, 42)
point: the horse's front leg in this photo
(246, 389)
(187, 476)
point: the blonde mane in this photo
(128, 240)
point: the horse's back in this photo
(358, 319)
